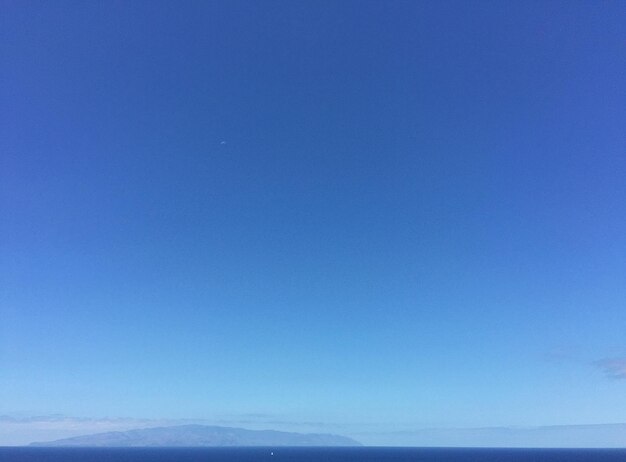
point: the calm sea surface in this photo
(15, 454)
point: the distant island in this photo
(200, 436)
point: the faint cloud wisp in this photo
(614, 368)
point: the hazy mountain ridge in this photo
(201, 435)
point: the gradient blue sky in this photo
(354, 213)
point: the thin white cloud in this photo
(614, 368)
(563, 436)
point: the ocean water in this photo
(362, 454)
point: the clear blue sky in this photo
(345, 212)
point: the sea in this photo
(282, 454)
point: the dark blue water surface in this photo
(23, 454)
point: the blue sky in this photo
(395, 214)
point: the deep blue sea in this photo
(365, 454)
